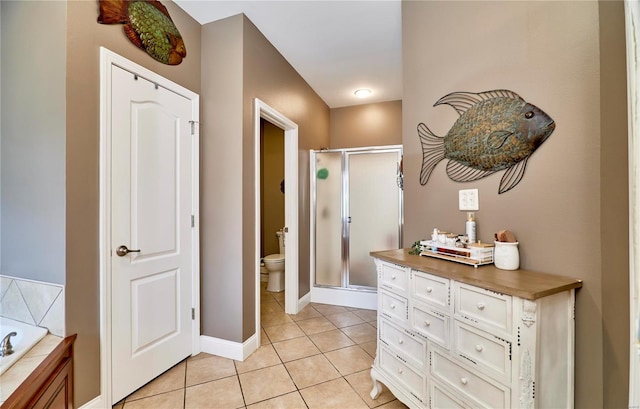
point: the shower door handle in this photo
(349, 219)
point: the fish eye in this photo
(529, 115)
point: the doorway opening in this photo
(263, 111)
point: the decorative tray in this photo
(477, 254)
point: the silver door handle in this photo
(123, 251)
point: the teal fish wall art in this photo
(496, 130)
(148, 25)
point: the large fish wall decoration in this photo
(496, 130)
(148, 25)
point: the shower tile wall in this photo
(33, 302)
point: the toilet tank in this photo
(280, 235)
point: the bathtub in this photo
(27, 337)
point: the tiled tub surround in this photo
(32, 302)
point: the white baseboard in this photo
(95, 403)
(229, 349)
(347, 298)
(304, 301)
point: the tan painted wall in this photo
(614, 206)
(550, 53)
(234, 47)
(272, 173)
(84, 37)
(366, 125)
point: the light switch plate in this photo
(468, 199)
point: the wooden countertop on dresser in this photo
(521, 283)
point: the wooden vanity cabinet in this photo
(455, 336)
(50, 385)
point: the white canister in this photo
(506, 255)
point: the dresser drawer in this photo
(403, 373)
(441, 398)
(484, 307)
(392, 305)
(411, 347)
(475, 387)
(430, 323)
(393, 277)
(431, 289)
(489, 353)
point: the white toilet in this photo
(275, 266)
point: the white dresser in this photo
(453, 336)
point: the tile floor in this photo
(319, 358)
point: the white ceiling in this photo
(337, 46)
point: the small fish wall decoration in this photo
(496, 130)
(148, 25)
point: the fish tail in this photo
(113, 12)
(432, 151)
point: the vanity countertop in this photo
(18, 372)
(521, 283)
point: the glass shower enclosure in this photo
(356, 209)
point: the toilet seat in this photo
(274, 257)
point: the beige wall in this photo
(84, 37)
(366, 125)
(614, 199)
(239, 65)
(550, 53)
(272, 199)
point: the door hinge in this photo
(193, 127)
(193, 313)
(193, 220)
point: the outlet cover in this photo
(468, 199)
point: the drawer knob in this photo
(479, 348)
(400, 371)
(401, 341)
(393, 276)
(464, 381)
(480, 306)
(393, 306)
(429, 289)
(427, 323)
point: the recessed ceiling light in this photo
(362, 93)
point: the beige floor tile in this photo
(333, 394)
(361, 383)
(306, 313)
(331, 340)
(316, 325)
(350, 359)
(222, 393)
(311, 371)
(119, 405)
(394, 404)
(326, 309)
(265, 384)
(171, 380)
(264, 357)
(209, 369)
(201, 355)
(264, 339)
(344, 319)
(291, 400)
(295, 348)
(168, 400)
(370, 348)
(274, 318)
(366, 315)
(283, 332)
(360, 333)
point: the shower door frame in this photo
(345, 295)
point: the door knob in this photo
(123, 251)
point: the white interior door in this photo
(151, 215)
